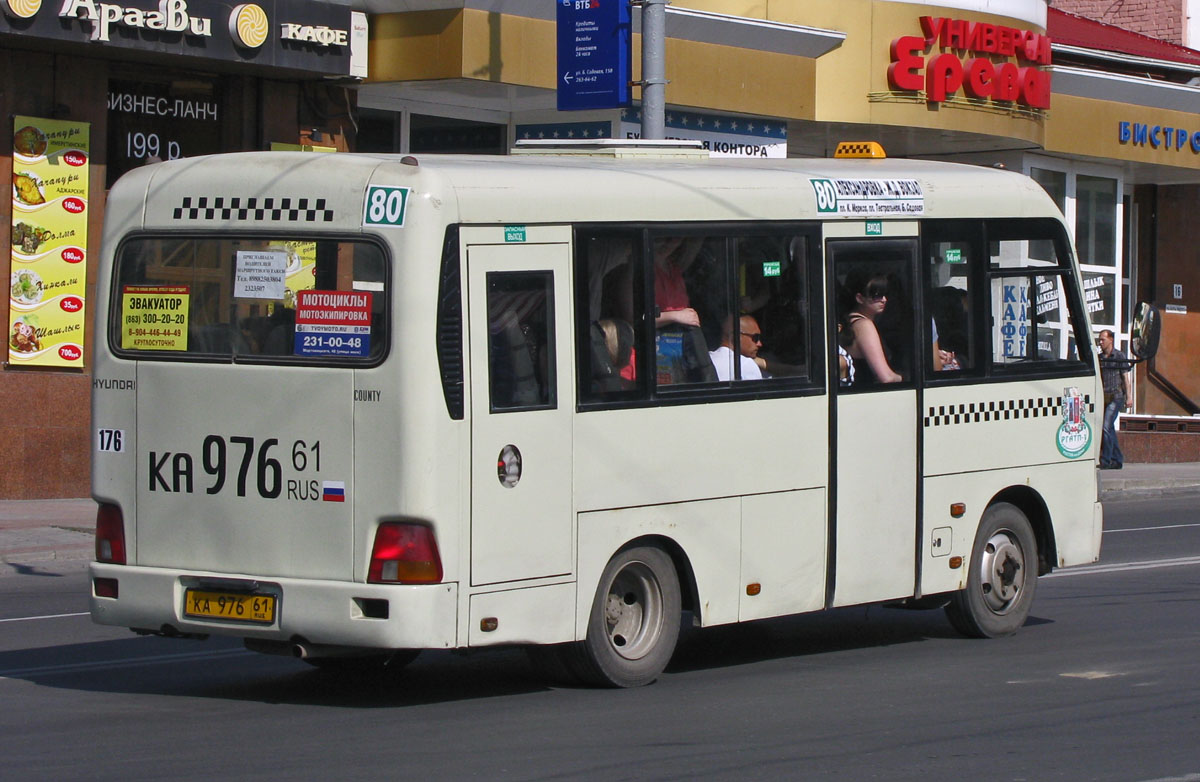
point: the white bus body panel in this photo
(876, 497)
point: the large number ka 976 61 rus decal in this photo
(220, 457)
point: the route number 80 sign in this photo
(385, 205)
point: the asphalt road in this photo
(1103, 683)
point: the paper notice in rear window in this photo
(333, 323)
(260, 275)
(154, 317)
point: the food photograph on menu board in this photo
(49, 242)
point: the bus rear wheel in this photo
(634, 621)
(1002, 579)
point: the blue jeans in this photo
(1110, 450)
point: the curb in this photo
(1147, 491)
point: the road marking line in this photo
(47, 616)
(123, 662)
(1121, 567)
(1144, 529)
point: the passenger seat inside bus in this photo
(683, 356)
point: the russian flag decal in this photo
(333, 491)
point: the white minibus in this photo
(349, 407)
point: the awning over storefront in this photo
(505, 60)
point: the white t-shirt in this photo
(722, 359)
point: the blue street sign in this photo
(594, 62)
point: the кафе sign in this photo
(310, 36)
(984, 60)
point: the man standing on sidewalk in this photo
(1114, 373)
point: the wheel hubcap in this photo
(633, 611)
(1002, 574)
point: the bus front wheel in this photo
(1002, 578)
(634, 622)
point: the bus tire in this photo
(1002, 579)
(634, 621)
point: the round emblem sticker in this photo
(1073, 444)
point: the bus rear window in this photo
(270, 299)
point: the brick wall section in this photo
(1161, 19)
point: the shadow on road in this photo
(840, 629)
(221, 669)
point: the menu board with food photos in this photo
(49, 242)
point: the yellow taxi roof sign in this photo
(867, 149)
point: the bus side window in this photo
(1033, 301)
(773, 288)
(949, 307)
(657, 309)
(608, 294)
(521, 340)
(876, 306)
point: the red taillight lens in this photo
(404, 554)
(110, 535)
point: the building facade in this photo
(1108, 124)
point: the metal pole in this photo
(654, 68)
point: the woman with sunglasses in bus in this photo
(867, 293)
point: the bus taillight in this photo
(404, 554)
(110, 534)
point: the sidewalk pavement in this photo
(41, 531)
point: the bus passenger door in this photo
(521, 403)
(874, 441)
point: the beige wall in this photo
(472, 44)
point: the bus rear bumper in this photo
(335, 613)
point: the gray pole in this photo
(654, 68)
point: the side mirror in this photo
(1144, 331)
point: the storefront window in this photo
(1098, 293)
(1055, 185)
(153, 121)
(1096, 220)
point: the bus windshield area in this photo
(274, 299)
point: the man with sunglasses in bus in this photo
(1114, 373)
(750, 341)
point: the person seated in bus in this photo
(950, 328)
(868, 295)
(750, 340)
(845, 360)
(672, 257)
(614, 357)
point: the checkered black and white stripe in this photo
(257, 209)
(1004, 410)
